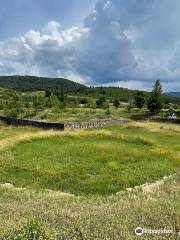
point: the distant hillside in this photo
(31, 83)
(173, 94)
(123, 94)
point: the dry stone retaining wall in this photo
(95, 123)
(32, 123)
(62, 126)
(166, 119)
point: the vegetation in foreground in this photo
(88, 161)
(53, 215)
(96, 165)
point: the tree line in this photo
(30, 104)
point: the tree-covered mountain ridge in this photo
(34, 83)
(173, 94)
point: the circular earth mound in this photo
(85, 164)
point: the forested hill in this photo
(173, 94)
(31, 83)
(123, 94)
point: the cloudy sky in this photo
(127, 43)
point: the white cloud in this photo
(121, 40)
(48, 51)
(107, 4)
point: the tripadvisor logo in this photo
(139, 231)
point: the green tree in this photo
(47, 93)
(171, 109)
(53, 102)
(60, 94)
(155, 101)
(116, 103)
(139, 99)
(14, 106)
(130, 106)
(101, 102)
(83, 101)
(108, 112)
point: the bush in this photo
(48, 93)
(108, 112)
(33, 230)
(53, 101)
(100, 102)
(129, 107)
(171, 109)
(177, 112)
(139, 99)
(116, 103)
(83, 101)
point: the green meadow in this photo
(102, 161)
(89, 184)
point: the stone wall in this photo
(95, 123)
(166, 119)
(62, 126)
(32, 123)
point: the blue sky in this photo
(128, 43)
(19, 16)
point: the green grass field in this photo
(89, 161)
(86, 174)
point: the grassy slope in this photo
(90, 161)
(154, 206)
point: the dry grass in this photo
(10, 141)
(157, 127)
(153, 206)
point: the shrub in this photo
(33, 230)
(139, 100)
(177, 112)
(52, 101)
(100, 102)
(108, 112)
(116, 103)
(83, 101)
(171, 109)
(129, 107)
(48, 93)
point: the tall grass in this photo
(95, 165)
(88, 161)
(154, 206)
